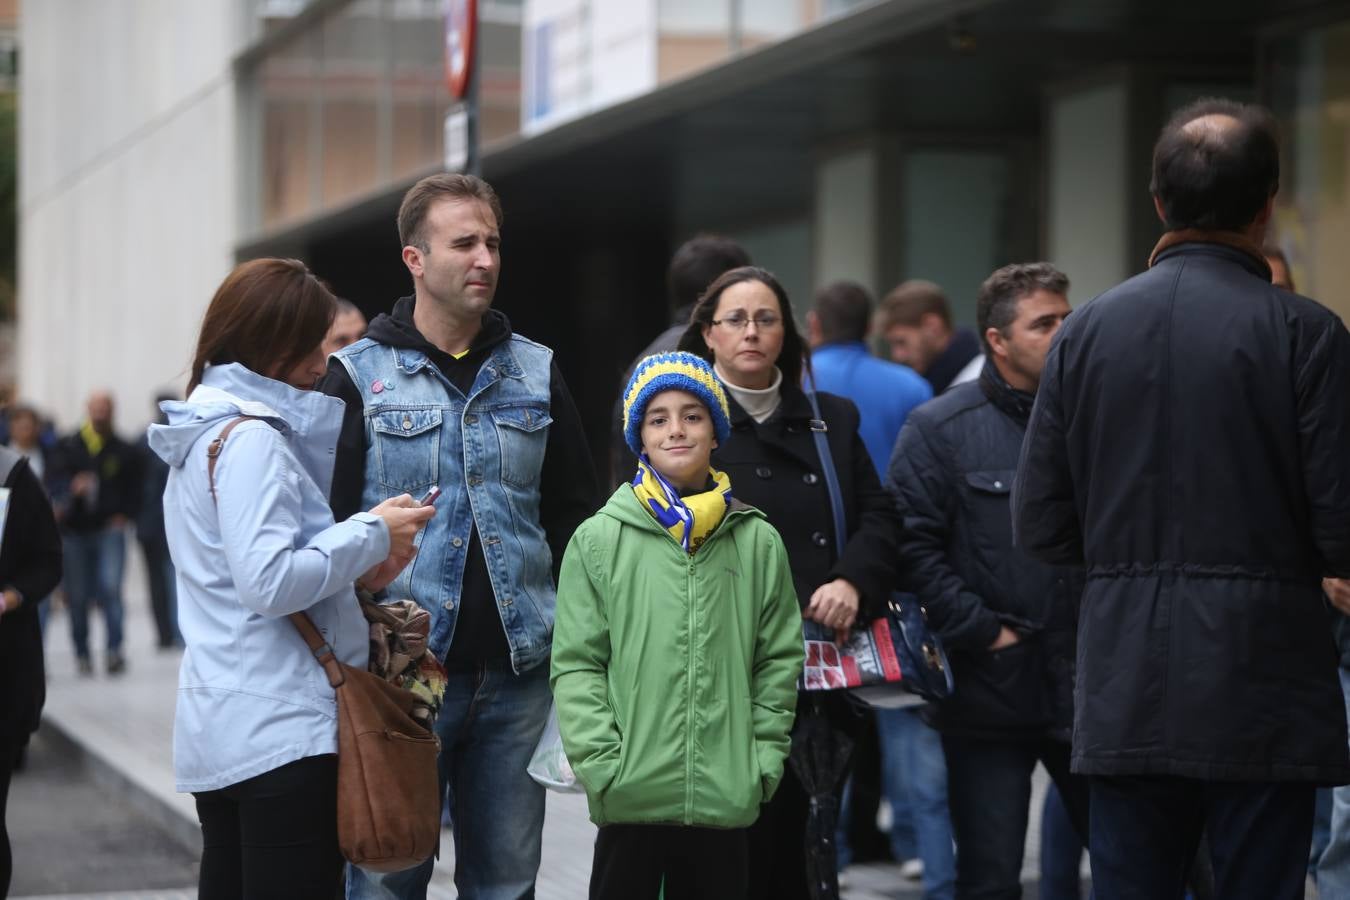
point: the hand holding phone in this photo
(430, 496)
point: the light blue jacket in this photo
(251, 697)
(486, 452)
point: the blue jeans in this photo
(1145, 831)
(94, 564)
(489, 724)
(989, 783)
(1061, 850)
(1333, 869)
(914, 773)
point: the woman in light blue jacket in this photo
(255, 734)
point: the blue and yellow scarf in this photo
(688, 519)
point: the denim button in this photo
(449, 604)
(470, 419)
(819, 539)
(457, 542)
(407, 424)
(506, 601)
(474, 480)
(810, 478)
(764, 472)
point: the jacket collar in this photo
(1235, 245)
(1013, 403)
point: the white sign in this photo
(457, 139)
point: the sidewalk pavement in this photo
(124, 726)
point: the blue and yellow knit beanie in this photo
(676, 371)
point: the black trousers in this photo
(273, 836)
(1145, 831)
(10, 748)
(158, 571)
(632, 861)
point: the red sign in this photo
(461, 39)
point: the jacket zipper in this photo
(689, 711)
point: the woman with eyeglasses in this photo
(743, 325)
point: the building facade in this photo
(875, 141)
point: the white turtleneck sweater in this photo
(759, 404)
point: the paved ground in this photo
(69, 835)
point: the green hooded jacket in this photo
(675, 676)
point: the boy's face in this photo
(677, 436)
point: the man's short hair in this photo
(843, 310)
(698, 263)
(1218, 175)
(909, 302)
(24, 411)
(412, 212)
(345, 306)
(996, 306)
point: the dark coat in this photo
(951, 475)
(30, 562)
(774, 466)
(118, 469)
(1191, 443)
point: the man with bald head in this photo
(96, 492)
(1189, 445)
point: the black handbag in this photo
(894, 661)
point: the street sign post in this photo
(461, 77)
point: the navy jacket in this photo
(1191, 443)
(951, 475)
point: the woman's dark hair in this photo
(267, 315)
(1218, 174)
(792, 359)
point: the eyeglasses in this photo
(764, 321)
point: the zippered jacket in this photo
(675, 675)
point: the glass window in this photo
(692, 35)
(354, 79)
(287, 89)
(1308, 83)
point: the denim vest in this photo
(486, 452)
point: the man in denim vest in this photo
(441, 393)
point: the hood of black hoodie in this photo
(396, 329)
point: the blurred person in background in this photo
(743, 325)
(255, 728)
(915, 319)
(1332, 870)
(30, 567)
(1280, 274)
(693, 267)
(96, 487)
(1008, 621)
(349, 326)
(25, 439)
(912, 770)
(154, 542)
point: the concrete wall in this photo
(127, 194)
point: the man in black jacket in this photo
(1008, 620)
(96, 488)
(1189, 443)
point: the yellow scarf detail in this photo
(688, 519)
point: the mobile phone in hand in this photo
(430, 496)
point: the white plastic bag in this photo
(549, 765)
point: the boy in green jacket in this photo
(676, 652)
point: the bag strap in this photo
(818, 431)
(301, 620)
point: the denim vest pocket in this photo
(523, 434)
(408, 445)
